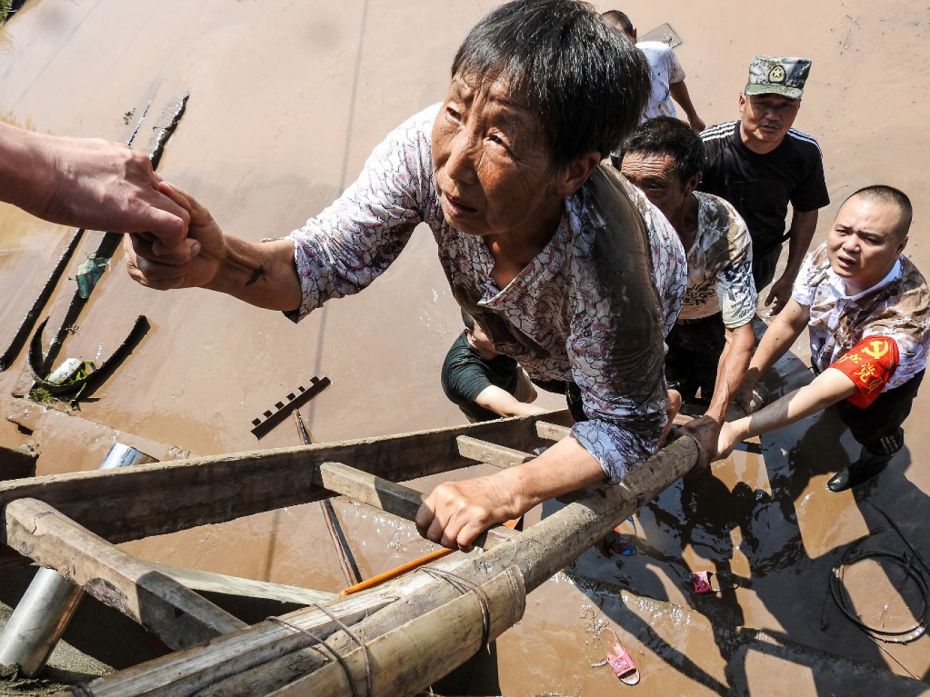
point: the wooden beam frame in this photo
(158, 498)
(239, 662)
(386, 496)
(224, 584)
(174, 613)
(491, 453)
(552, 431)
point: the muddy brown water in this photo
(287, 99)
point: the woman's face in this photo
(491, 162)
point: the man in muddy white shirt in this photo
(867, 310)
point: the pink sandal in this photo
(619, 660)
(701, 583)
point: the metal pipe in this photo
(49, 603)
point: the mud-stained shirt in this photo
(719, 265)
(570, 314)
(897, 307)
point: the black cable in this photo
(914, 572)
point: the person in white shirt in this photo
(667, 75)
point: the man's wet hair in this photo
(665, 135)
(621, 19)
(889, 194)
(586, 82)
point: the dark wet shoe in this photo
(858, 473)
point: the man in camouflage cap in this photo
(759, 164)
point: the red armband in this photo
(870, 365)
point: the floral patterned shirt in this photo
(898, 307)
(571, 314)
(720, 265)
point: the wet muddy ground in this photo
(287, 99)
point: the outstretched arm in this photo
(260, 274)
(782, 332)
(87, 183)
(828, 388)
(731, 369)
(679, 92)
(800, 235)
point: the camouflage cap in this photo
(778, 75)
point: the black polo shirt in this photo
(761, 186)
(465, 375)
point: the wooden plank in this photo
(491, 453)
(211, 582)
(51, 417)
(541, 551)
(173, 612)
(412, 656)
(389, 497)
(183, 673)
(552, 431)
(369, 489)
(157, 498)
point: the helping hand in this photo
(101, 185)
(727, 440)
(193, 263)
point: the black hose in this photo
(906, 562)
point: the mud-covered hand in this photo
(456, 513)
(779, 294)
(704, 430)
(193, 263)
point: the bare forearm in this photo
(731, 369)
(262, 274)
(800, 235)
(25, 168)
(783, 331)
(502, 403)
(829, 387)
(563, 468)
(679, 92)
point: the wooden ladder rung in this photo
(176, 614)
(384, 495)
(224, 584)
(549, 431)
(491, 453)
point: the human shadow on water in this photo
(791, 584)
(700, 513)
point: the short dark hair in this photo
(621, 19)
(468, 321)
(889, 194)
(665, 135)
(586, 82)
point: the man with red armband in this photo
(867, 310)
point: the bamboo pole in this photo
(414, 655)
